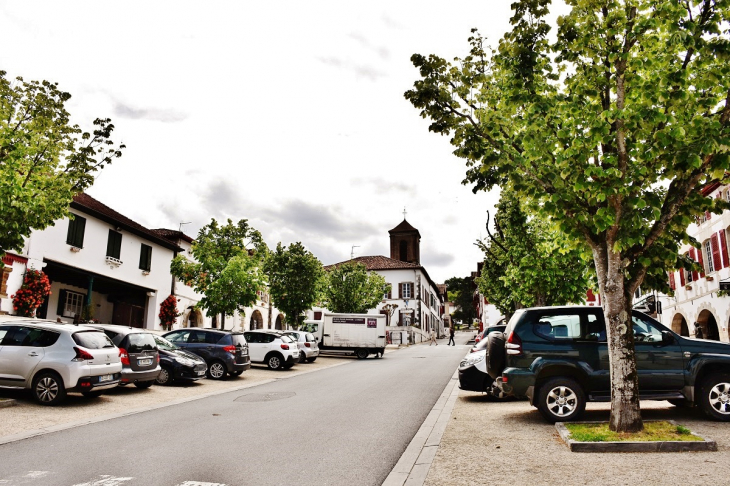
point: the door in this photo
(196, 344)
(21, 352)
(593, 350)
(660, 365)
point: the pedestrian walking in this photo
(451, 336)
(433, 338)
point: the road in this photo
(343, 425)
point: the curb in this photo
(413, 466)
(7, 402)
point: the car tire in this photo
(217, 370)
(92, 394)
(362, 353)
(561, 399)
(714, 396)
(48, 388)
(274, 361)
(495, 354)
(142, 385)
(165, 377)
(495, 393)
(311, 360)
(302, 357)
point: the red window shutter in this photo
(681, 277)
(695, 257)
(400, 317)
(317, 315)
(400, 290)
(723, 245)
(672, 283)
(708, 215)
(716, 259)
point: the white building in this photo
(696, 309)
(100, 259)
(420, 301)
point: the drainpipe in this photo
(91, 287)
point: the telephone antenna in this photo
(352, 251)
(181, 225)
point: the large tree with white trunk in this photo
(612, 126)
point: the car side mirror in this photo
(667, 337)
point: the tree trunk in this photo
(625, 409)
(223, 321)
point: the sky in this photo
(287, 113)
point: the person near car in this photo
(433, 338)
(451, 336)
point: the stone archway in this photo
(279, 323)
(706, 326)
(257, 321)
(679, 325)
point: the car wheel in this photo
(217, 370)
(48, 388)
(92, 394)
(165, 377)
(143, 384)
(311, 360)
(362, 353)
(714, 397)
(561, 400)
(495, 393)
(274, 362)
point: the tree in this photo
(528, 262)
(228, 267)
(611, 129)
(44, 160)
(349, 288)
(294, 275)
(461, 293)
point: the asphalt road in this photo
(343, 425)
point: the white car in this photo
(52, 359)
(308, 349)
(274, 349)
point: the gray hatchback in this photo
(138, 351)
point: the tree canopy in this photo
(349, 288)
(44, 159)
(528, 262)
(461, 292)
(294, 275)
(227, 267)
(612, 129)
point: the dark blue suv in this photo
(224, 352)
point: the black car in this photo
(137, 348)
(178, 364)
(558, 358)
(224, 352)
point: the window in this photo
(559, 327)
(406, 291)
(114, 245)
(386, 292)
(645, 331)
(708, 256)
(145, 257)
(178, 337)
(76, 227)
(71, 303)
(92, 340)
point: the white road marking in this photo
(105, 480)
(198, 483)
(25, 478)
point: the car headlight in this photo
(184, 361)
(473, 359)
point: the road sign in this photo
(407, 311)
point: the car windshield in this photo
(238, 339)
(164, 344)
(286, 339)
(141, 341)
(92, 339)
(310, 338)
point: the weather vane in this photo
(404, 212)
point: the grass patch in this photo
(653, 432)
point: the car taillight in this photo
(284, 346)
(309, 345)
(229, 349)
(514, 344)
(124, 356)
(81, 355)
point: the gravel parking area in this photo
(509, 443)
(28, 416)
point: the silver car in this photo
(308, 349)
(52, 359)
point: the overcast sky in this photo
(289, 114)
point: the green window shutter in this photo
(61, 302)
(145, 257)
(76, 229)
(114, 244)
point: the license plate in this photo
(106, 378)
(144, 362)
(200, 372)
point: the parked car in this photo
(482, 343)
(53, 359)
(274, 349)
(308, 349)
(473, 376)
(558, 358)
(178, 364)
(224, 352)
(138, 351)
